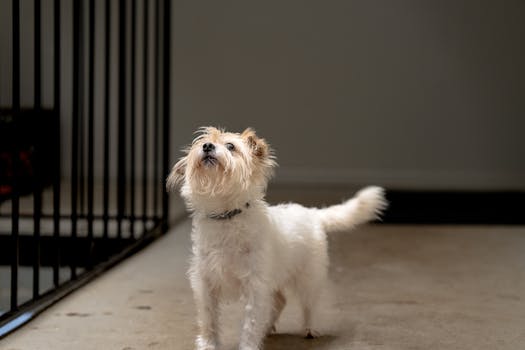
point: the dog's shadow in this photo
(294, 341)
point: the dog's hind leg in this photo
(279, 301)
(309, 304)
(308, 290)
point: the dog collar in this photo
(227, 214)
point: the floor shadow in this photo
(296, 342)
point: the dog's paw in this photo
(372, 202)
(311, 334)
(204, 344)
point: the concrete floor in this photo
(391, 287)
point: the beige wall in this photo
(409, 94)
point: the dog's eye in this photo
(230, 146)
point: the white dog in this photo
(244, 248)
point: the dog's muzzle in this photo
(209, 154)
(208, 159)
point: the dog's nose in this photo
(208, 147)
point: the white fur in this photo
(261, 252)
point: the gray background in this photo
(406, 94)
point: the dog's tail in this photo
(366, 205)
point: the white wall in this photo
(408, 94)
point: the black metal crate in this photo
(81, 172)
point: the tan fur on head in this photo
(238, 162)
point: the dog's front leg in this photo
(257, 314)
(206, 299)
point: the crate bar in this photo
(16, 55)
(64, 216)
(156, 112)
(121, 170)
(57, 165)
(81, 109)
(145, 96)
(166, 110)
(15, 204)
(38, 54)
(37, 184)
(77, 38)
(37, 207)
(107, 41)
(132, 112)
(91, 107)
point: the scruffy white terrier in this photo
(244, 248)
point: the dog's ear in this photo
(258, 145)
(261, 151)
(177, 174)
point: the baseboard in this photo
(459, 207)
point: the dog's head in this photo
(220, 163)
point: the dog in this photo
(245, 249)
